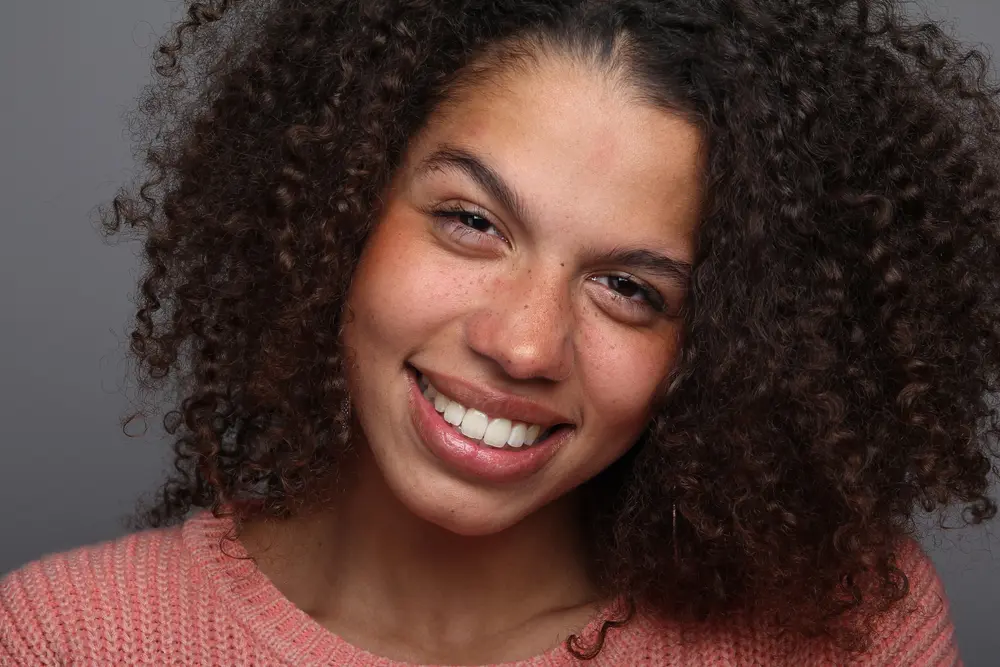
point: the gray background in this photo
(68, 71)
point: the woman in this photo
(537, 332)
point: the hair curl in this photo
(841, 340)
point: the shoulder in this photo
(92, 600)
(915, 632)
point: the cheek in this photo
(623, 373)
(395, 283)
(403, 288)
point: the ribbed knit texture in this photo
(173, 597)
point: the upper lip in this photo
(495, 402)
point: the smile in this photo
(474, 424)
(494, 436)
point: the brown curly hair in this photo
(841, 340)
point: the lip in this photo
(495, 403)
(471, 458)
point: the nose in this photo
(525, 327)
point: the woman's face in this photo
(529, 265)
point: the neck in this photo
(368, 562)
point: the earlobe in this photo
(347, 316)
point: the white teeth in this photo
(474, 424)
(454, 413)
(477, 425)
(516, 438)
(497, 432)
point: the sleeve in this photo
(919, 631)
(25, 637)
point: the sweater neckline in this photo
(294, 636)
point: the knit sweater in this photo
(182, 596)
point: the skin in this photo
(415, 561)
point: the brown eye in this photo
(626, 287)
(477, 222)
(631, 291)
(468, 222)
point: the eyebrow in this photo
(647, 261)
(449, 157)
(486, 177)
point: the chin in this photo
(465, 512)
(469, 524)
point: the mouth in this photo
(495, 431)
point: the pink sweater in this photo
(171, 597)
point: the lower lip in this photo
(473, 458)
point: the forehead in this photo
(575, 143)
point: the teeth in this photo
(454, 413)
(474, 424)
(516, 438)
(478, 425)
(497, 432)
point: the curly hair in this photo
(842, 335)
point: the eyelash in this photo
(449, 218)
(652, 300)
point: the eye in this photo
(631, 292)
(477, 222)
(467, 225)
